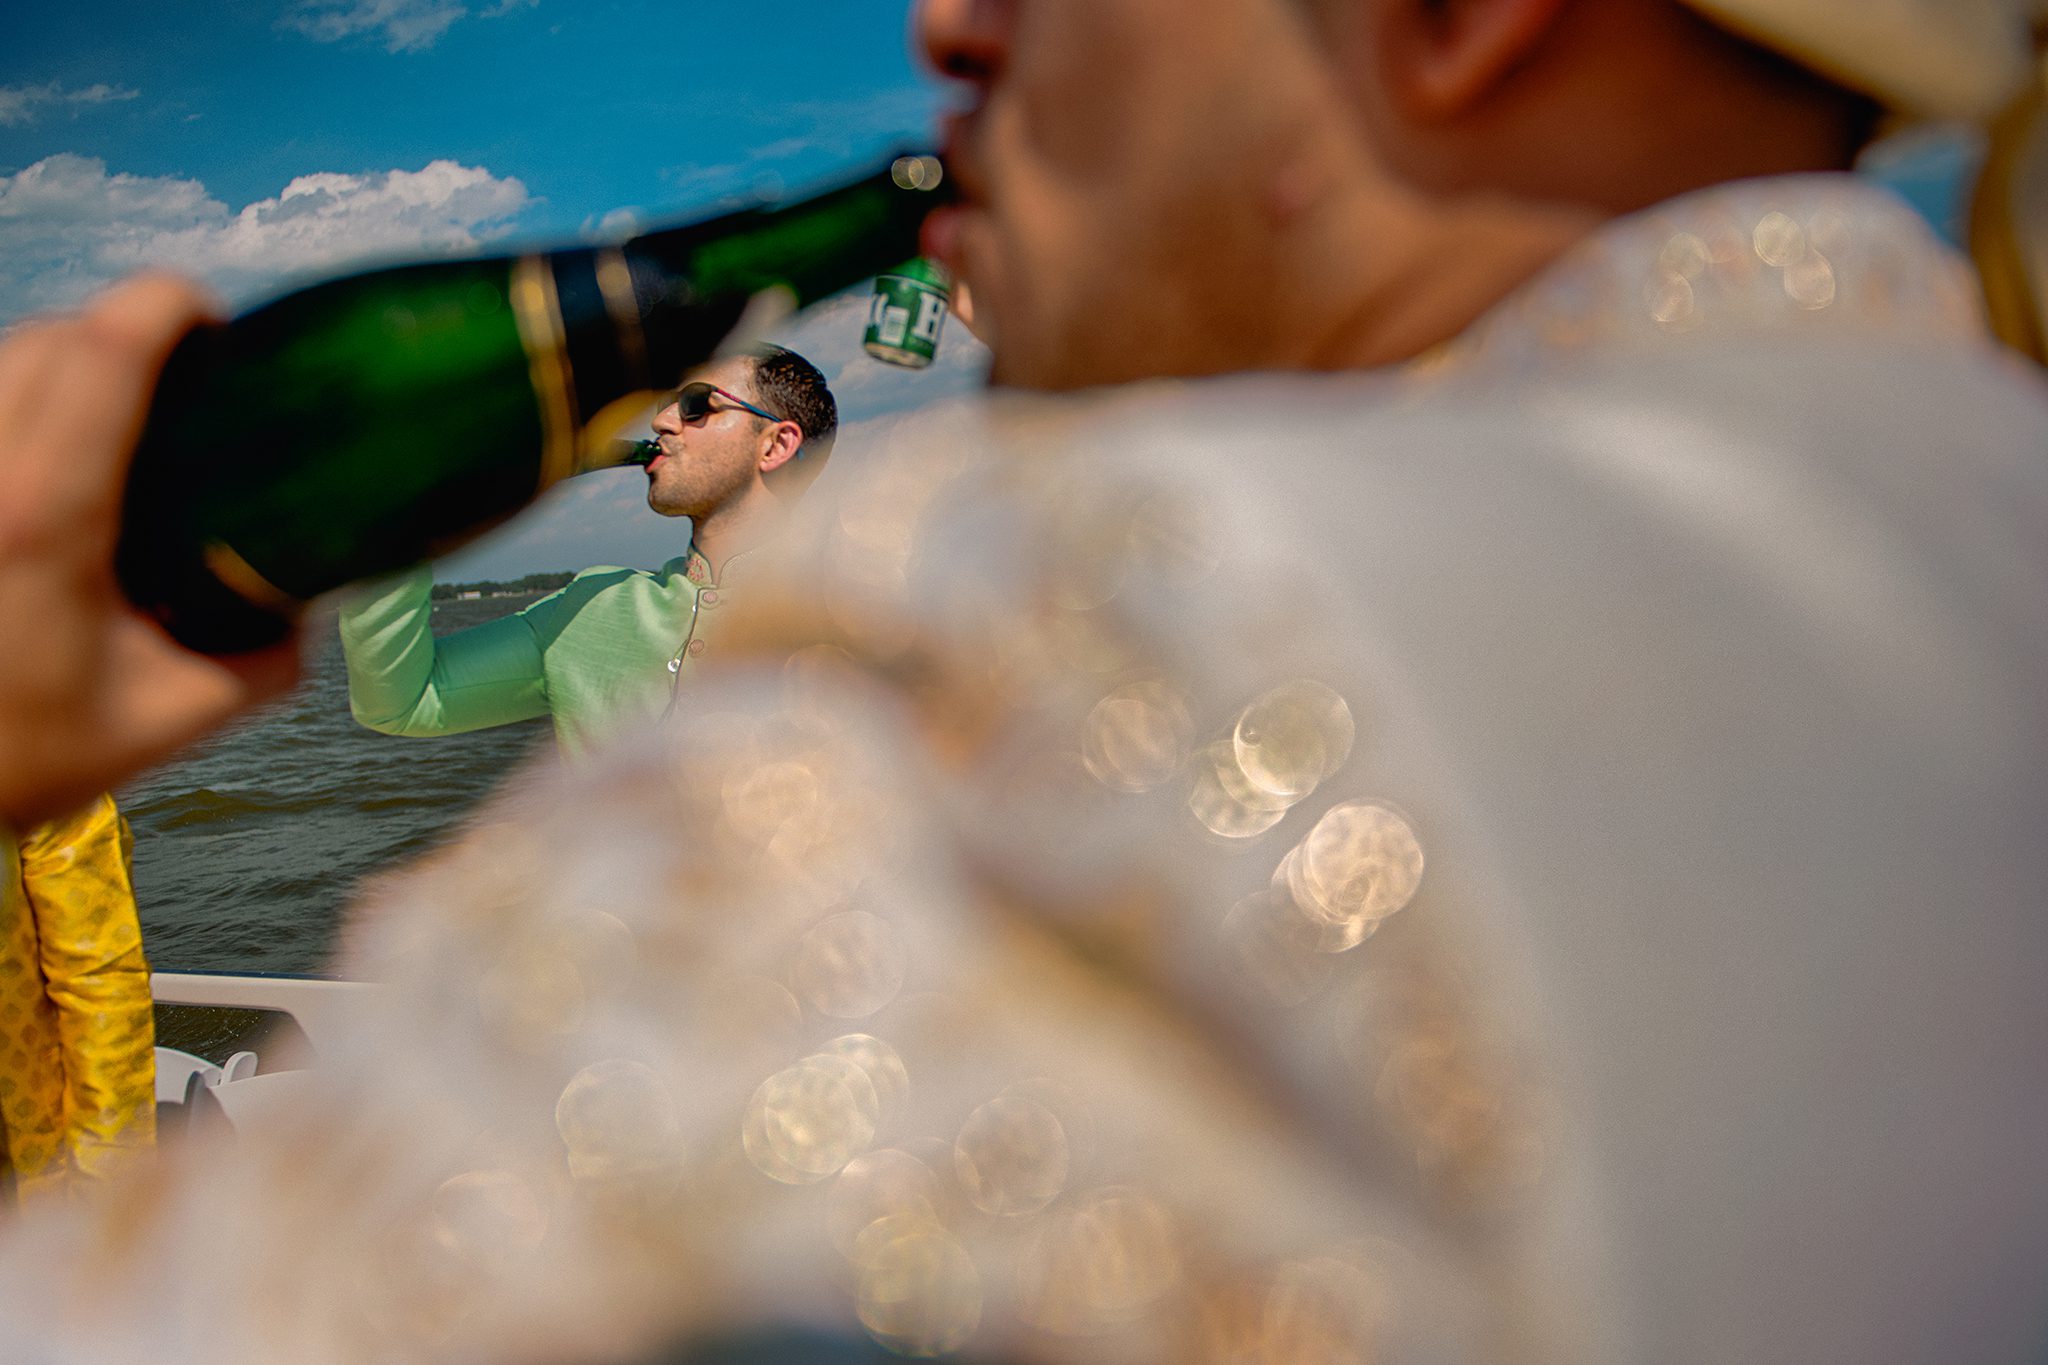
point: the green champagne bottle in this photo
(377, 420)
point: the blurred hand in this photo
(92, 692)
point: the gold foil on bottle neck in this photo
(237, 574)
(615, 282)
(538, 310)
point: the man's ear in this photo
(788, 441)
(1441, 57)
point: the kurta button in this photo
(696, 646)
(710, 599)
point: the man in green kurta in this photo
(739, 441)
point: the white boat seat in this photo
(243, 1102)
(189, 1090)
(176, 1073)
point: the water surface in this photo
(249, 846)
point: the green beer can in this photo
(908, 309)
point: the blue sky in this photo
(257, 142)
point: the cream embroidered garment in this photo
(1532, 859)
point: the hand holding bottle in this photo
(91, 691)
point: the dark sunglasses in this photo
(693, 402)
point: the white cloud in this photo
(20, 104)
(404, 25)
(67, 226)
(101, 93)
(614, 226)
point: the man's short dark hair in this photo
(788, 384)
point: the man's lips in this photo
(940, 236)
(960, 132)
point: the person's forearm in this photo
(387, 641)
(404, 681)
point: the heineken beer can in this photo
(908, 309)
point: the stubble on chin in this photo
(662, 505)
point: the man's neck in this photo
(1387, 273)
(733, 529)
(1499, 246)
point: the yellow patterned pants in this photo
(77, 1070)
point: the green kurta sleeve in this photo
(601, 653)
(403, 681)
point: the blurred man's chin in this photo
(1046, 373)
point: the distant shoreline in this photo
(486, 588)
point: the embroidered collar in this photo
(1794, 254)
(697, 568)
(697, 565)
